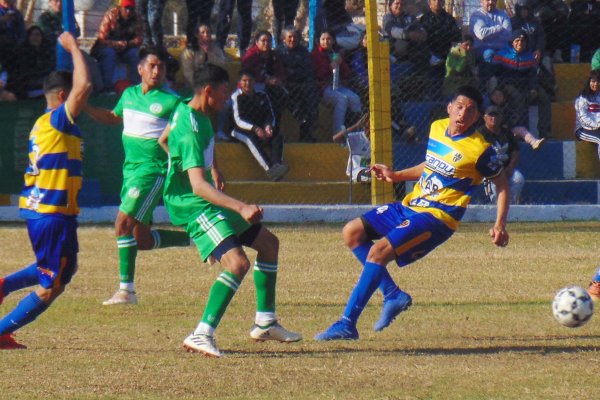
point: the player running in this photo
(144, 110)
(457, 160)
(218, 224)
(49, 198)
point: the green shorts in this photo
(140, 194)
(208, 232)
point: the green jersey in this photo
(145, 116)
(191, 145)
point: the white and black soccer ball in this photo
(572, 306)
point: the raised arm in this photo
(498, 232)
(201, 188)
(82, 85)
(385, 173)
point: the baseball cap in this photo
(492, 110)
(517, 33)
(127, 3)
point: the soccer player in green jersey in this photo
(218, 224)
(145, 110)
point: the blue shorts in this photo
(54, 241)
(412, 235)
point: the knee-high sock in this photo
(127, 254)
(21, 279)
(25, 312)
(220, 295)
(362, 292)
(265, 279)
(165, 238)
(387, 286)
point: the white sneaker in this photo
(538, 143)
(274, 332)
(121, 297)
(204, 344)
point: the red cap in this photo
(127, 3)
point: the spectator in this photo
(583, 23)
(284, 14)
(35, 59)
(50, 21)
(507, 150)
(587, 109)
(199, 12)
(256, 126)
(244, 23)
(300, 82)
(150, 13)
(357, 139)
(407, 36)
(442, 30)
(202, 51)
(517, 73)
(335, 18)
(524, 20)
(596, 60)
(12, 30)
(460, 66)
(5, 95)
(119, 38)
(267, 69)
(553, 17)
(332, 75)
(491, 29)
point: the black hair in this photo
(587, 92)
(330, 33)
(199, 24)
(467, 38)
(260, 33)
(210, 74)
(247, 72)
(145, 52)
(469, 92)
(58, 80)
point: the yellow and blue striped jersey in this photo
(454, 168)
(54, 175)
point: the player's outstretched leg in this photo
(236, 266)
(26, 277)
(266, 326)
(395, 300)
(594, 288)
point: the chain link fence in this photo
(313, 93)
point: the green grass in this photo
(481, 326)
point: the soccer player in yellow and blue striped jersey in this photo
(48, 201)
(458, 158)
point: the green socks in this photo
(265, 279)
(127, 254)
(165, 238)
(220, 295)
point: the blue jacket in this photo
(516, 69)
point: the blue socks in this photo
(26, 311)
(387, 286)
(26, 277)
(364, 289)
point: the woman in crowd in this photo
(333, 75)
(36, 58)
(587, 110)
(300, 82)
(202, 51)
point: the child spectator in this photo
(202, 51)
(332, 75)
(35, 59)
(460, 66)
(256, 126)
(5, 95)
(587, 109)
(119, 38)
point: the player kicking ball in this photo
(144, 110)
(49, 198)
(218, 224)
(457, 160)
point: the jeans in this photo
(284, 13)
(244, 27)
(199, 12)
(341, 99)
(151, 12)
(108, 63)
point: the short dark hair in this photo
(587, 91)
(210, 74)
(58, 80)
(247, 72)
(467, 38)
(145, 52)
(469, 92)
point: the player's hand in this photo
(218, 179)
(499, 236)
(383, 173)
(252, 213)
(68, 41)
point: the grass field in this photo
(480, 328)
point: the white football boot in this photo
(204, 344)
(121, 297)
(274, 332)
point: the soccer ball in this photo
(572, 306)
